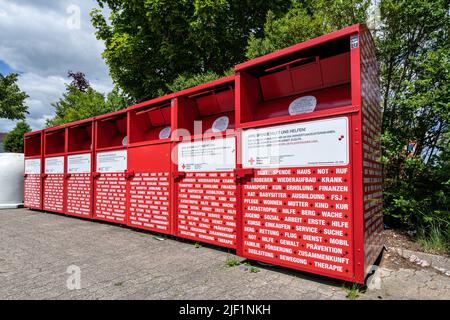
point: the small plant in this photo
(254, 269)
(231, 262)
(197, 245)
(353, 290)
(251, 268)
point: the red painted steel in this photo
(33, 145)
(371, 131)
(280, 161)
(110, 163)
(79, 159)
(323, 219)
(53, 194)
(206, 198)
(150, 166)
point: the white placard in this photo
(314, 143)
(54, 165)
(114, 161)
(209, 155)
(33, 166)
(80, 163)
(302, 105)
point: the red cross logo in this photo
(251, 161)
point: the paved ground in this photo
(118, 263)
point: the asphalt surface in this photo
(50, 256)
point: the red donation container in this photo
(110, 177)
(310, 120)
(54, 169)
(150, 166)
(206, 160)
(33, 170)
(80, 136)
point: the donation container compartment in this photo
(79, 180)
(33, 143)
(54, 169)
(150, 166)
(110, 177)
(206, 160)
(311, 180)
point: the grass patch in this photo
(231, 262)
(436, 240)
(353, 290)
(197, 245)
(251, 268)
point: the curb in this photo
(439, 263)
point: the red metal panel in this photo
(33, 150)
(300, 217)
(79, 163)
(347, 67)
(53, 193)
(206, 190)
(207, 207)
(110, 197)
(53, 199)
(373, 175)
(110, 163)
(32, 191)
(150, 187)
(79, 194)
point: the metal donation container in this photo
(309, 120)
(110, 176)
(32, 192)
(54, 169)
(150, 166)
(206, 196)
(79, 192)
(280, 162)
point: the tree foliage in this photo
(306, 20)
(13, 141)
(76, 104)
(79, 80)
(12, 99)
(150, 43)
(414, 50)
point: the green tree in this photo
(150, 43)
(306, 20)
(413, 43)
(185, 81)
(13, 141)
(12, 99)
(77, 104)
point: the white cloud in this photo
(37, 41)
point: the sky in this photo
(43, 39)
